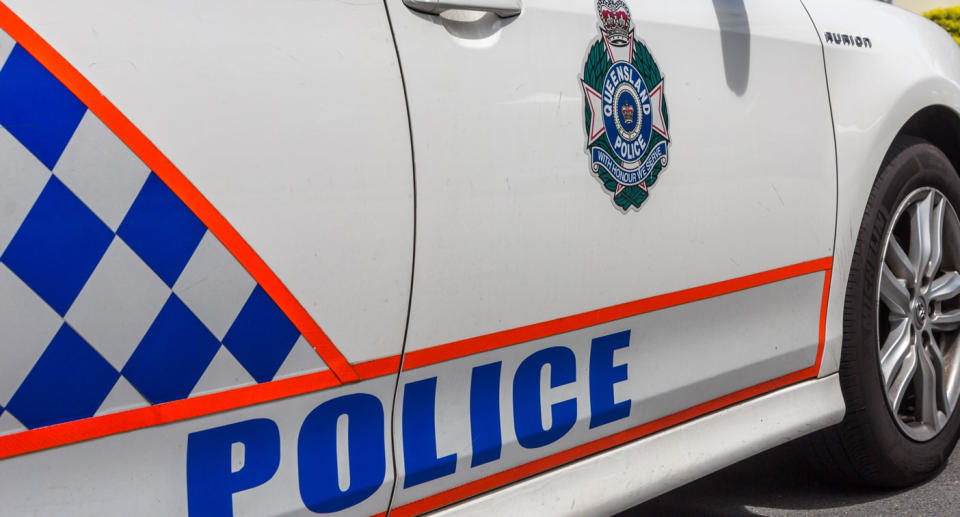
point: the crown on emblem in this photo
(615, 21)
(627, 112)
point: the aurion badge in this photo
(626, 114)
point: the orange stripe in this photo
(823, 319)
(475, 345)
(182, 187)
(114, 423)
(658, 302)
(378, 367)
(99, 426)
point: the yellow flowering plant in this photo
(948, 18)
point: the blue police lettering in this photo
(317, 453)
(211, 481)
(485, 414)
(420, 460)
(603, 375)
(526, 397)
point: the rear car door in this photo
(204, 268)
(600, 257)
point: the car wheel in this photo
(900, 363)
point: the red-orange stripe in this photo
(378, 367)
(178, 183)
(120, 422)
(99, 426)
(475, 345)
(824, 301)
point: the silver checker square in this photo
(101, 170)
(117, 305)
(27, 325)
(214, 285)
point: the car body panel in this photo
(511, 119)
(911, 64)
(508, 210)
(263, 124)
(141, 388)
(601, 386)
(283, 127)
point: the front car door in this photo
(600, 257)
(204, 271)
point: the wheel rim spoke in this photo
(926, 389)
(944, 287)
(899, 262)
(920, 237)
(936, 238)
(945, 321)
(951, 364)
(940, 371)
(898, 387)
(893, 292)
(895, 349)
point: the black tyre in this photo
(900, 363)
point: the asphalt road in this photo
(779, 483)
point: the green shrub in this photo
(948, 18)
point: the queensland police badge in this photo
(626, 114)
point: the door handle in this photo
(502, 8)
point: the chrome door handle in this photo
(502, 8)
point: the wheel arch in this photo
(939, 125)
(861, 155)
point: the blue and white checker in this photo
(214, 285)
(113, 294)
(101, 170)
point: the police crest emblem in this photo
(626, 114)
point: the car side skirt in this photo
(617, 479)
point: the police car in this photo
(479, 257)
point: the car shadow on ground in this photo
(777, 482)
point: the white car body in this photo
(463, 322)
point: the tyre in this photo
(900, 363)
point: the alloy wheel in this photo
(918, 314)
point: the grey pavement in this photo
(781, 482)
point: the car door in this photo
(599, 257)
(206, 240)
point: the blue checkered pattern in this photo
(69, 382)
(36, 108)
(57, 246)
(108, 275)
